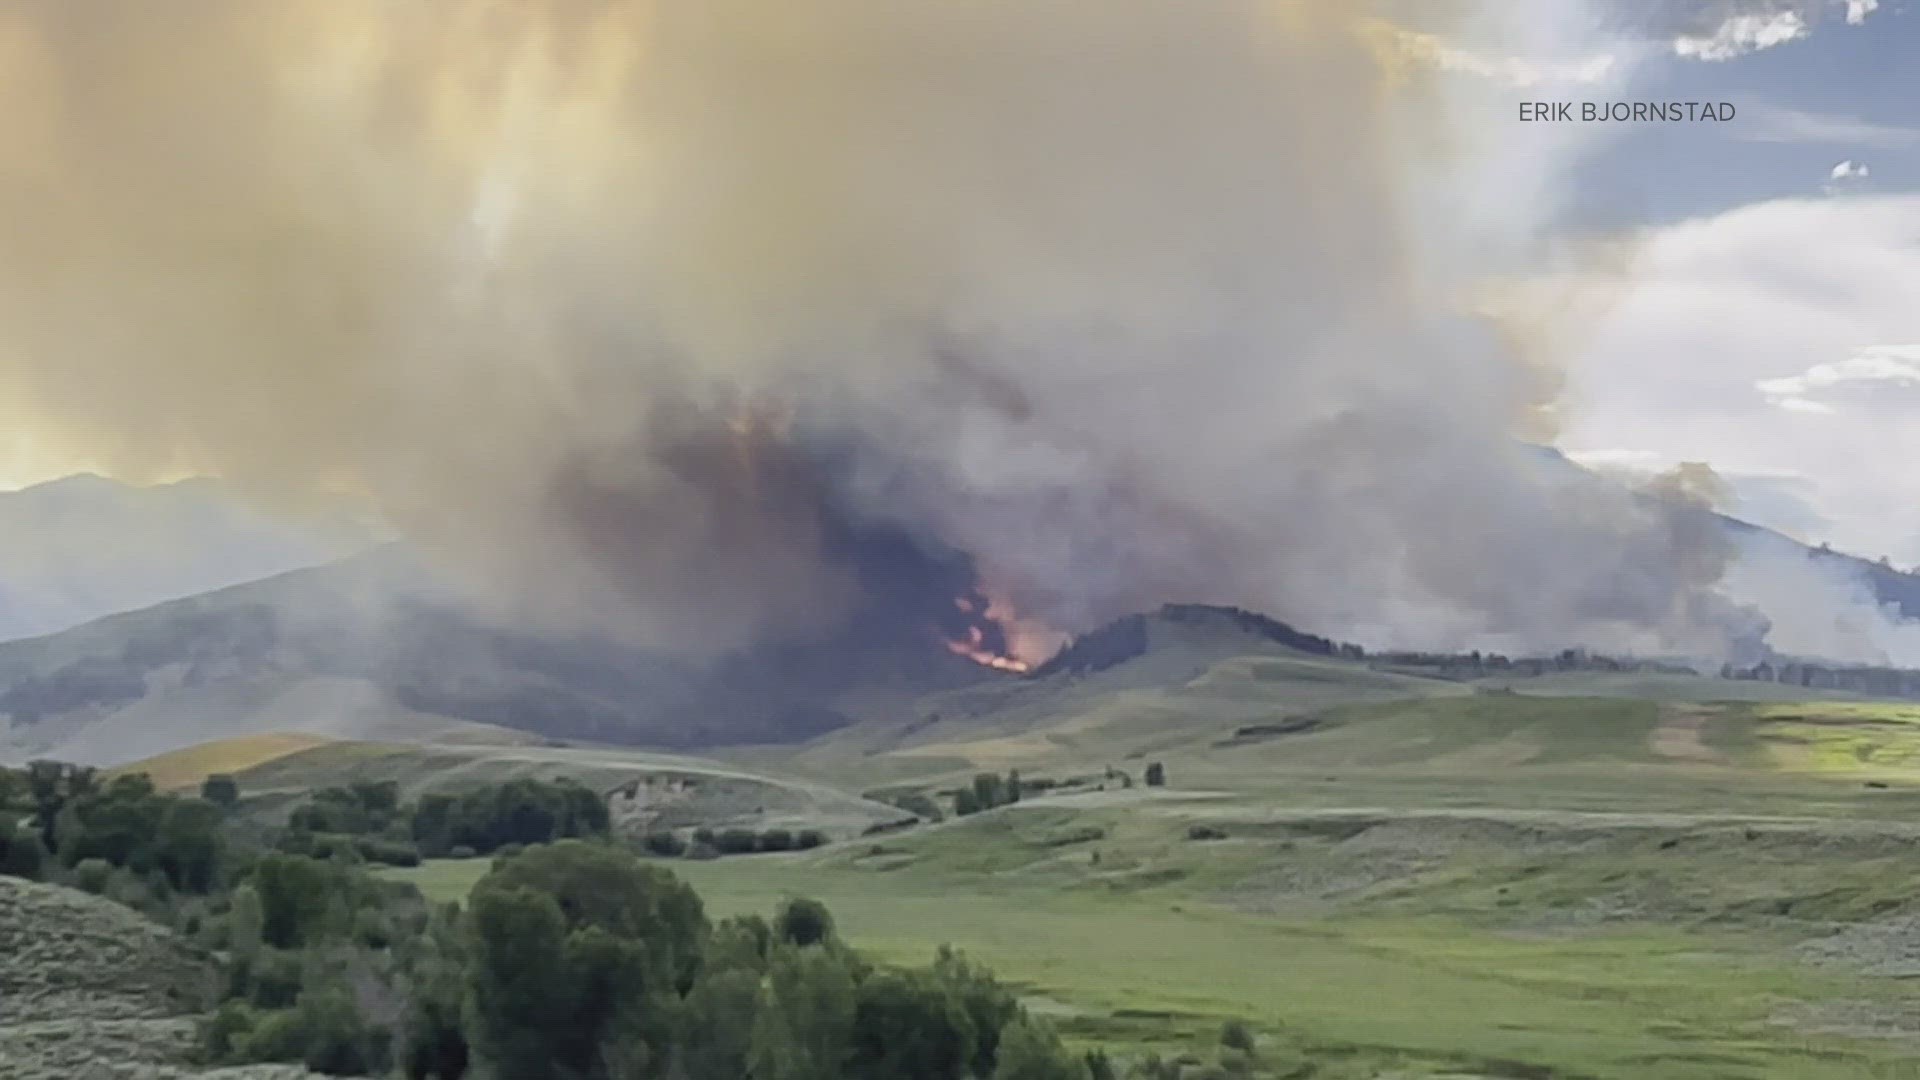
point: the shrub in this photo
(664, 844)
(461, 851)
(1205, 832)
(1156, 775)
(736, 842)
(808, 839)
(92, 875)
(221, 790)
(803, 921)
(22, 854)
(388, 852)
(1234, 1035)
(776, 840)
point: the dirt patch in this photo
(1678, 736)
(1889, 947)
(1850, 1019)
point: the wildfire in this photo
(996, 636)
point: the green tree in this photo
(1156, 775)
(189, 844)
(582, 955)
(989, 790)
(21, 851)
(989, 1005)
(803, 921)
(293, 895)
(965, 803)
(804, 1025)
(221, 790)
(1013, 785)
(520, 988)
(909, 1024)
(1030, 1050)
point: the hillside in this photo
(362, 649)
(84, 547)
(645, 791)
(91, 989)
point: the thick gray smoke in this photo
(634, 310)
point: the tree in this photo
(1156, 775)
(292, 890)
(989, 1005)
(1031, 1050)
(189, 844)
(1013, 785)
(909, 1024)
(582, 954)
(965, 803)
(1234, 1035)
(21, 852)
(804, 1022)
(221, 790)
(802, 922)
(520, 989)
(988, 791)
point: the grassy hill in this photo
(646, 790)
(371, 648)
(1410, 878)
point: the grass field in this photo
(671, 790)
(1622, 877)
(1155, 949)
(186, 768)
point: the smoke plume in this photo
(663, 317)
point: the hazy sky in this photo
(1770, 324)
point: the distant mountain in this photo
(1886, 584)
(76, 549)
(361, 648)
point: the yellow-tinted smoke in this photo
(1132, 300)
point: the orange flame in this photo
(1027, 642)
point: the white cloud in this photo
(1849, 170)
(1727, 30)
(1775, 339)
(1742, 34)
(1884, 366)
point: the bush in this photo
(461, 851)
(803, 921)
(92, 875)
(221, 790)
(21, 852)
(1156, 775)
(1234, 1035)
(1205, 832)
(736, 842)
(664, 844)
(808, 839)
(776, 840)
(388, 852)
(918, 803)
